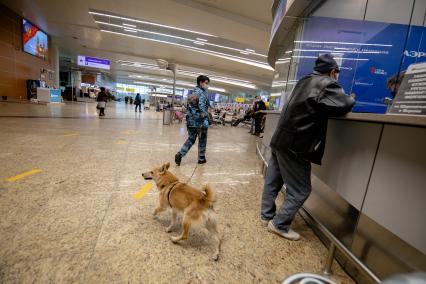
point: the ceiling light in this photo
(132, 31)
(282, 62)
(343, 42)
(251, 50)
(217, 78)
(231, 81)
(201, 39)
(180, 83)
(150, 23)
(184, 38)
(217, 89)
(289, 51)
(344, 58)
(129, 25)
(215, 53)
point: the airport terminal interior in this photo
(99, 100)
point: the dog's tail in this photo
(209, 195)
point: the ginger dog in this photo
(196, 205)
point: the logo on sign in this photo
(377, 71)
(414, 53)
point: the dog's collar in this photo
(172, 187)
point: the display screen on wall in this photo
(34, 40)
(372, 55)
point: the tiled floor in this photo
(77, 221)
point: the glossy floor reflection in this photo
(76, 221)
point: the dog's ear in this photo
(164, 167)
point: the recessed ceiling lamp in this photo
(209, 52)
(149, 23)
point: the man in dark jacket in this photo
(138, 102)
(259, 106)
(299, 140)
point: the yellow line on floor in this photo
(71, 134)
(130, 132)
(24, 174)
(142, 191)
(121, 142)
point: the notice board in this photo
(411, 96)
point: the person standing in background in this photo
(259, 106)
(299, 139)
(197, 120)
(102, 100)
(138, 102)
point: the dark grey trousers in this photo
(295, 173)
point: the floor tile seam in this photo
(84, 275)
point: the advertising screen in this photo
(35, 41)
(370, 54)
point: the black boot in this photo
(178, 159)
(202, 161)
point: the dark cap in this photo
(325, 63)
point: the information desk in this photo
(370, 191)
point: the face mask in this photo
(336, 76)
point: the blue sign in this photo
(55, 95)
(93, 62)
(370, 55)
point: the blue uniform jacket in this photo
(197, 115)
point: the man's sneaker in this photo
(202, 161)
(264, 222)
(290, 235)
(178, 159)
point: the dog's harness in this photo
(172, 187)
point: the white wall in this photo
(388, 11)
(344, 9)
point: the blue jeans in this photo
(295, 173)
(193, 132)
